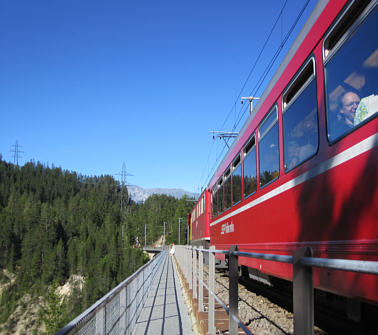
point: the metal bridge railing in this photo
(303, 288)
(117, 311)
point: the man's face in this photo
(350, 103)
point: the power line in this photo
(256, 61)
(264, 74)
(243, 87)
(274, 58)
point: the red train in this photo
(199, 220)
(303, 170)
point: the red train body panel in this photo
(199, 221)
(329, 201)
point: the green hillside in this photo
(56, 225)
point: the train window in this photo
(214, 210)
(300, 120)
(236, 181)
(268, 148)
(227, 189)
(351, 69)
(220, 196)
(249, 168)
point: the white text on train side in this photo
(227, 228)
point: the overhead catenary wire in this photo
(255, 63)
(239, 95)
(260, 81)
(274, 58)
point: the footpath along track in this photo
(164, 311)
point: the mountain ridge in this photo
(140, 194)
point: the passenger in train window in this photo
(309, 136)
(351, 77)
(348, 104)
(351, 112)
(300, 127)
(303, 143)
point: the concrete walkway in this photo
(165, 311)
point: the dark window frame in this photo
(220, 186)
(227, 179)
(214, 201)
(236, 163)
(273, 109)
(328, 55)
(285, 107)
(250, 144)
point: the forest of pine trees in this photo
(55, 224)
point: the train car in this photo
(199, 221)
(303, 169)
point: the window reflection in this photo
(214, 211)
(249, 163)
(227, 192)
(351, 80)
(236, 185)
(268, 149)
(300, 126)
(220, 196)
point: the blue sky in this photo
(90, 85)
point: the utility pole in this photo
(124, 185)
(164, 235)
(145, 235)
(250, 102)
(16, 152)
(179, 230)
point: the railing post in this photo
(128, 309)
(194, 273)
(100, 321)
(186, 257)
(211, 312)
(122, 311)
(200, 285)
(190, 268)
(303, 294)
(233, 290)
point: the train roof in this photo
(285, 62)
